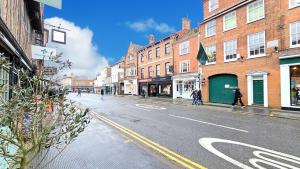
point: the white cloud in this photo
(150, 24)
(80, 50)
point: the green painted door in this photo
(221, 88)
(258, 92)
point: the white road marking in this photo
(139, 108)
(208, 123)
(285, 162)
(146, 106)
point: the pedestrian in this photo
(199, 99)
(102, 93)
(238, 98)
(298, 94)
(194, 95)
(79, 92)
(143, 93)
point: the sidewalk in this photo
(294, 115)
(100, 146)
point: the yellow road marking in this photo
(164, 151)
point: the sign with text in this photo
(43, 53)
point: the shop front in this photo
(143, 86)
(290, 82)
(131, 87)
(184, 85)
(157, 87)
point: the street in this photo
(212, 137)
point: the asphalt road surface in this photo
(216, 138)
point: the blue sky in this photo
(115, 23)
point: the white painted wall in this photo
(285, 85)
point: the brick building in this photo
(185, 48)
(75, 83)
(246, 41)
(130, 70)
(20, 24)
(155, 67)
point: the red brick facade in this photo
(275, 24)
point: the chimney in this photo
(151, 39)
(186, 24)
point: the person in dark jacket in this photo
(199, 97)
(238, 98)
(194, 95)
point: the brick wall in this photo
(276, 26)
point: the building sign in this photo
(145, 80)
(43, 53)
(53, 3)
(59, 36)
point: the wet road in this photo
(213, 137)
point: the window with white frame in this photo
(142, 57)
(210, 28)
(229, 21)
(150, 55)
(294, 3)
(256, 44)
(184, 67)
(184, 48)
(211, 54)
(295, 34)
(157, 70)
(168, 68)
(150, 72)
(213, 5)
(131, 71)
(142, 73)
(168, 48)
(255, 11)
(4, 80)
(230, 50)
(158, 52)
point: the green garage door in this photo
(221, 88)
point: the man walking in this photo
(199, 97)
(79, 92)
(102, 93)
(238, 98)
(194, 95)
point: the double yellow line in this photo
(162, 150)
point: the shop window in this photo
(295, 85)
(4, 81)
(165, 89)
(189, 85)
